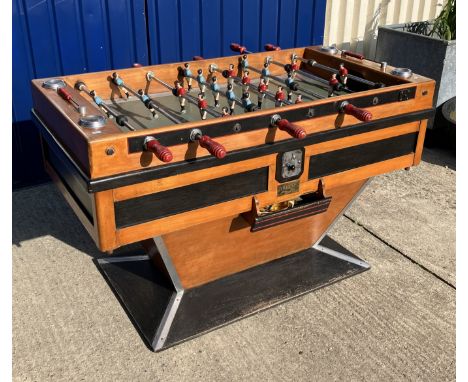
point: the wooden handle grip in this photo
(271, 47)
(214, 148)
(161, 152)
(238, 48)
(292, 129)
(353, 54)
(361, 114)
(64, 94)
(197, 58)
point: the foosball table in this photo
(228, 171)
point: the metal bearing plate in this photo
(54, 83)
(92, 121)
(329, 49)
(402, 72)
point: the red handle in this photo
(353, 54)
(137, 65)
(216, 149)
(197, 58)
(271, 47)
(361, 114)
(238, 48)
(291, 128)
(161, 152)
(64, 94)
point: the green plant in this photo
(445, 23)
(444, 26)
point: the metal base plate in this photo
(165, 317)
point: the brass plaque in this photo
(288, 188)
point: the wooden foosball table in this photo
(228, 171)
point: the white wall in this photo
(352, 24)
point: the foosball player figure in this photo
(202, 105)
(179, 92)
(245, 81)
(98, 101)
(147, 101)
(244, 63)
(119, 82)
(201, 81)
(343, 74)
(279, 97)
(225, 111)
(215, 89)
(247, 102)
(231, 97)
(188, 75)
(266, 73)
(289, 81)
(299, 98)
(294, 65)
(231, 73)
(262, 88)
(334, 85)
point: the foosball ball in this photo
(228, 171)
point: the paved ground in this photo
(394, 322)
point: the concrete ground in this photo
(395, 322)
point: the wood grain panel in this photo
(210, 251)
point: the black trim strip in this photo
(250, 123)
(357, 156)
(178, 168)
(182, 199)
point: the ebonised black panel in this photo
(361, 155)
(70, 178)
(170, 138)
(160, 204)
(142, 289)
(159, 172)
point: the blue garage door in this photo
(54, 38)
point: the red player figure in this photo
(343, 74)
(334, 84)
(202, 105)
(245, 81)
(262, 88)
(180, 93)
(299, 98)
(225, 111)
(279, 97)
(294, 65)
(188, 75)
(231, 74)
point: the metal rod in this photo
(84, 88)
(332, 70)
(188, 97)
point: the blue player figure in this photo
(201, 81)
(266, 73)
(147, 101)
(98, 101)
(289, 81)
(231, 97)
(119, 82)
(215, 89)
(188, 75)
(247, 103)
(244, 63)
